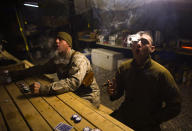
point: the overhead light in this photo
(32, 4)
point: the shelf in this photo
(182, 52)
(87, 40)
(113, 46)
(176, 50)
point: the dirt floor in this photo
(183, 122)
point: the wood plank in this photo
(2, 124)
(108, 117)
(30, 113)
(105, 109)
(9, 56)
(49, 113)
(100, 112)
(27, 63)
(65, 111)
(94, 117)
(12, 116)
(101, 108)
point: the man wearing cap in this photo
(72, 69)
(151, 93)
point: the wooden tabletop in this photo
(23, 112)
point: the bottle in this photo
(7, 77)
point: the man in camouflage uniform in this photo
(151, 94)
(71, 67)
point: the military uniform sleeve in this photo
(170, 94)
(119, 91)
(37, 70)
(73, 81)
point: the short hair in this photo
(141, 33)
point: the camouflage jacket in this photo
(71, 70)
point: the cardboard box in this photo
(106, 59)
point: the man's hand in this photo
(35, 87)
(111, 87)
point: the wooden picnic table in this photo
(22, 112)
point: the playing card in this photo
(63, 127)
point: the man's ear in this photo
(152, 49)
